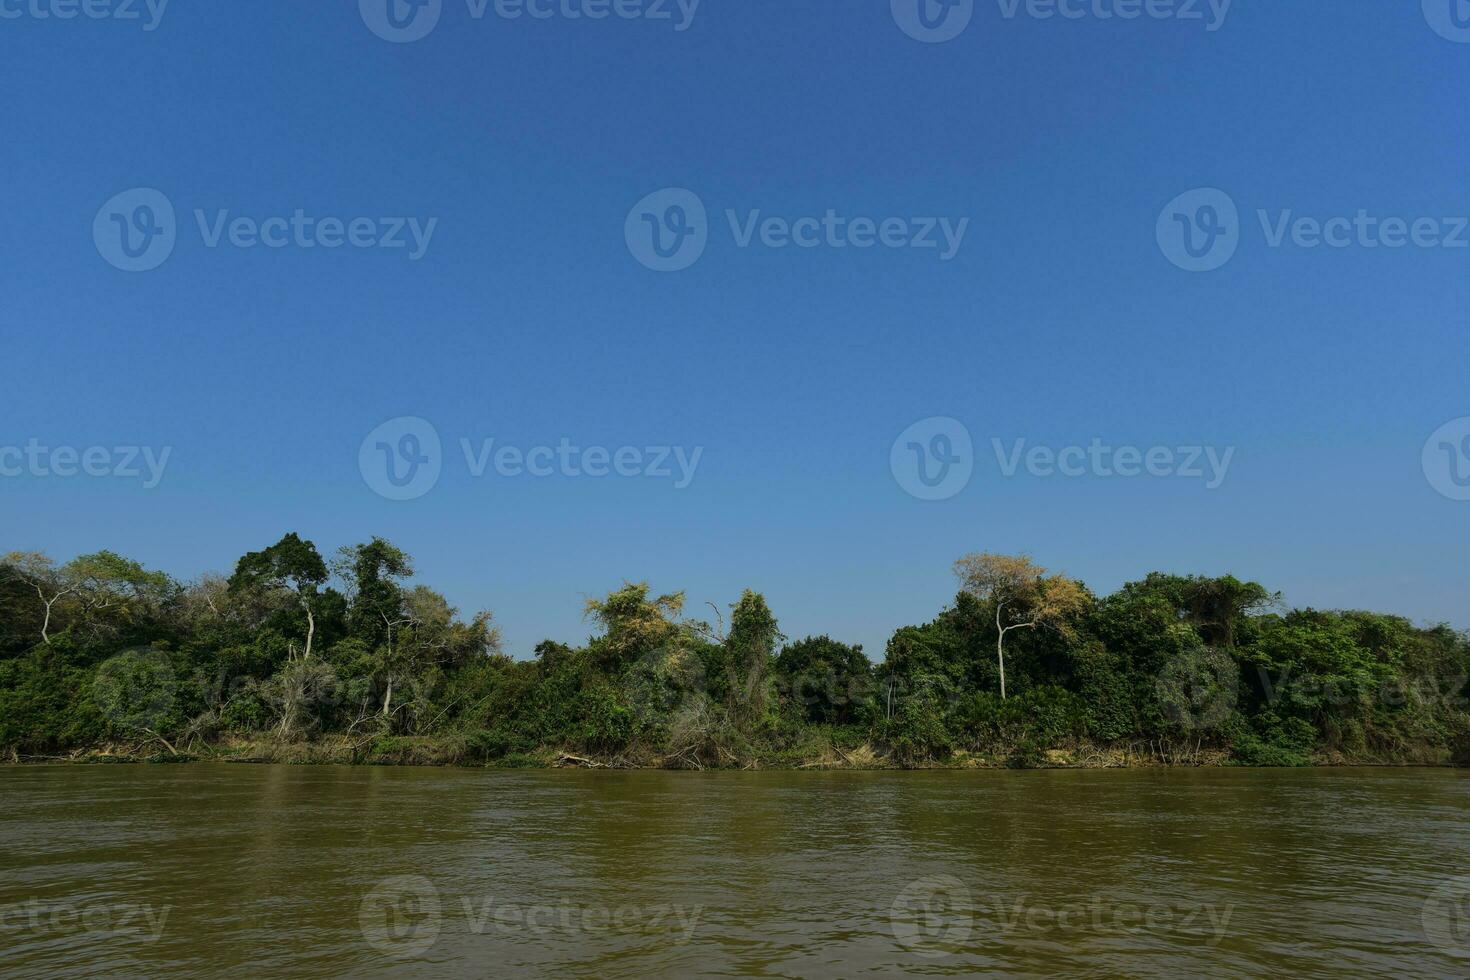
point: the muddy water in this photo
(273, 871)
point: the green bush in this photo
(489, 745)
(46, 704)
(1275, 742)
(917, 729)
(1042, 717)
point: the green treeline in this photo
(296, 655)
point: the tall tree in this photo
(1023, 595)
(371, 573)
(751, 648)
(290, 564)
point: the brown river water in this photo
(229, 870)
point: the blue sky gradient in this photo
(527, 319)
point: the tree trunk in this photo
(166, 743)
(310, 631)
(1000, 656)
(1000, 653)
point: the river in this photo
(275, 871)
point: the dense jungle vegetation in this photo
(297, 656)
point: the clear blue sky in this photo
(528, 320)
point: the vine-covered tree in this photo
(632, 623)
(750, 650)
(373, 573)
(290, 564)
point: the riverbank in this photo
(450, 752)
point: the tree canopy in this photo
(1022, 667)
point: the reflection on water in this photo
(174, 870)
